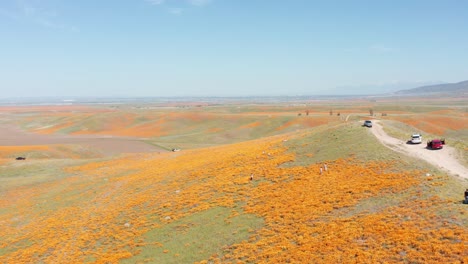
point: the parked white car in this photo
(416, 139)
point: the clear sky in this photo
(228, 47)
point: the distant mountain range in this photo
(456, 89)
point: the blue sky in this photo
(228, 47)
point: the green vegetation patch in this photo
(32, 172)
(450, 189)
(459, 140)
(350, 140)
(196, 237)
(227, 131)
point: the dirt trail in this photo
(445, 159)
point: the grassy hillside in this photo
(200, 205)
(348, 140)
(175, 127)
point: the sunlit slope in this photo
(43, 163)
(58, 151)
(443, 122)
(174, 127)
(198, 205)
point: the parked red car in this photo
(435, 144)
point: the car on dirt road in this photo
(416, 139)
(367, 123)
(436, 144)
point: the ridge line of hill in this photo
(446, 88)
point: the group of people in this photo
(323, 168)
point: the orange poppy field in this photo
(251, 184)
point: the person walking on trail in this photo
(466, 197)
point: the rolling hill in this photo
(262, 198)
(455, 89)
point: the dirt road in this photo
(445, 159)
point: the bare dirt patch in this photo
(108, 145)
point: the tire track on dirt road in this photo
(445, 159)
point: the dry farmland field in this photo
(101, 184)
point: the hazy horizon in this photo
(214, 48)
